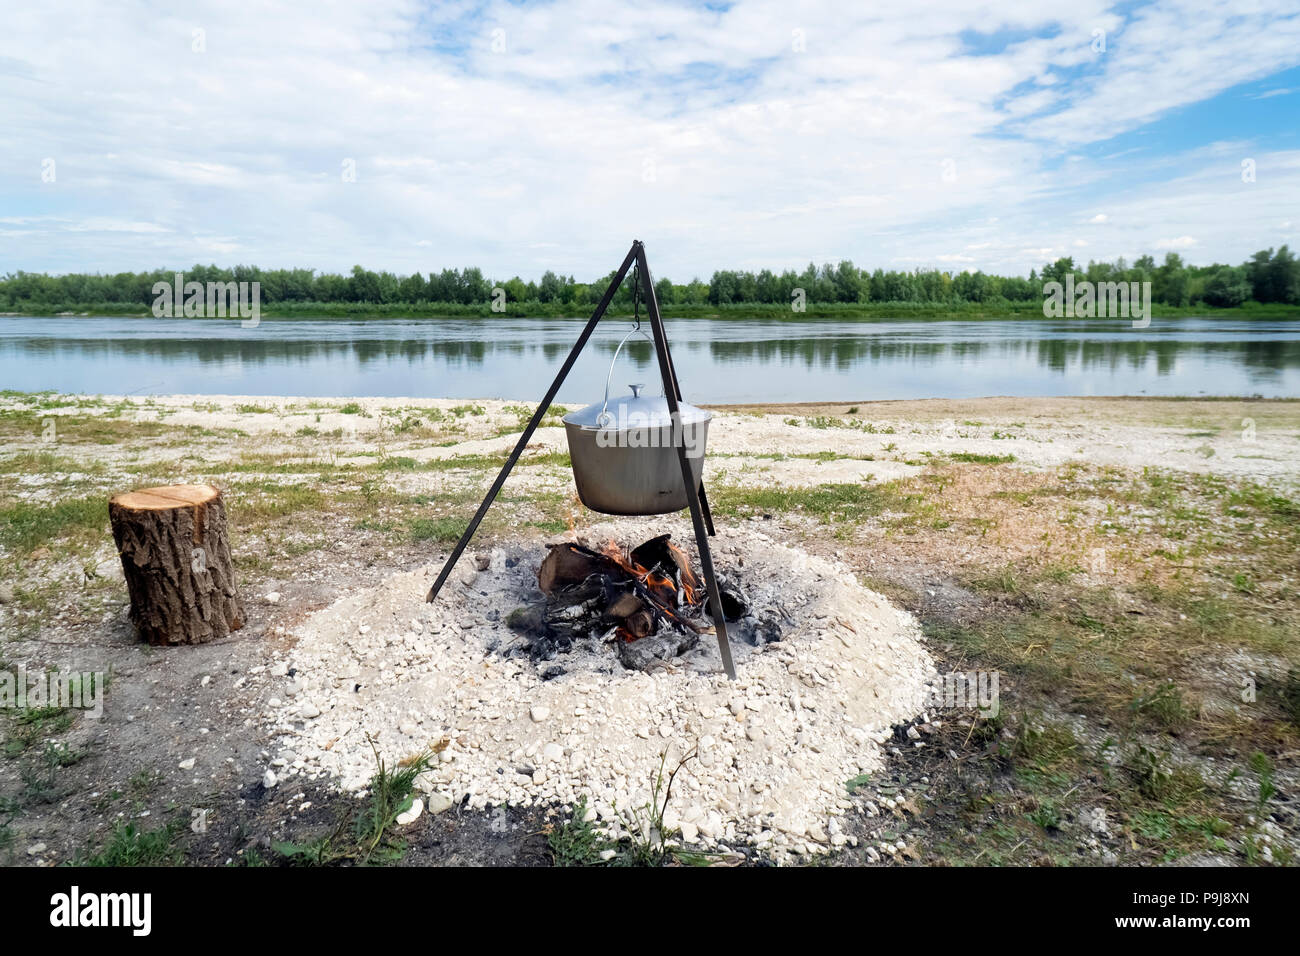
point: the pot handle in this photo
(604, 419)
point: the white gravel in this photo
(774, 748)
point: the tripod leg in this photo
(677, 390)
(532, 425)
(688, 479)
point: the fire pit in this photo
(530, 721)
(646, 601)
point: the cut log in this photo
(176, 560)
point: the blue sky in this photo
(531, 136)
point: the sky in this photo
(521, 137)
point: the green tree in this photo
(1226, 288)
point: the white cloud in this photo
(538, 157)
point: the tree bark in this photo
(176, 560)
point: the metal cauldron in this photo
(624, 454)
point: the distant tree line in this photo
(1267, 277)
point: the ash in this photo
(772, 749)
(751, 589)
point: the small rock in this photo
(539, 712)
(411, 814)
(607, 854)
(309, 710)
(440, 803)
(269, 779)
(273, 597)
(186, 764)
(279, 670)
(35, 848)
(1095, 818)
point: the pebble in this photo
(186, 764)
(539, 712)
(279, 669)
(273, 597)
(269, 779)
(440, 803)
(411, 814)
(35, 848)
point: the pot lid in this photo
(636, 410)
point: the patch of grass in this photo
(276, 501)
(26, 525)
(861, 780)
(550, 525)
(1162, 706)
(443, 530)
(128, 846)
(1263, 768)
(576, 841)
(974, 458)
(1044, 752)
(39, 776)
(1158, 778)
(144, 782)
(45, 463)
(34, 724)
(831, 503)
(9, 810)
(1046, 815)
(367, 838)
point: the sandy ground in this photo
(761, 444)
(212, 704)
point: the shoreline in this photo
(882, 312)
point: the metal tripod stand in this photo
(701, 518)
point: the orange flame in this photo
(660, 585)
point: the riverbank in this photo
(866, 311)
(1126, 565)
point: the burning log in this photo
(649, 599)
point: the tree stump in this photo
(176, 560)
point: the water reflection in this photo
(718, 360)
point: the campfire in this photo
(647, 601)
